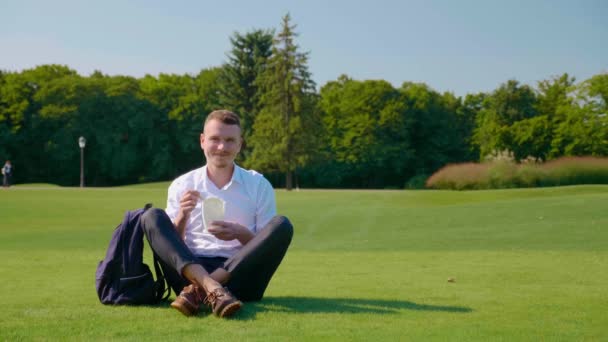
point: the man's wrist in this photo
(180, 223)
(181, 216)
(245, 235)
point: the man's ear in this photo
(202, 139)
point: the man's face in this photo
(221, 143)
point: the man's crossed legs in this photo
(213, 281)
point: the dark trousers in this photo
(251, 268)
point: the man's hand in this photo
(186, 205)
(188, 202)
(229, 231)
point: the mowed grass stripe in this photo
(395, 220)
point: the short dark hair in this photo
(225, 116)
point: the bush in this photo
(416, 182)
(576, 170)
(528, 176)
(504, 174)
(501, 174)
(460, 177)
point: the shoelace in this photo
(199, 295)
(213, 296)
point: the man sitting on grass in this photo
(221, 262)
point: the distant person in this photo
(7, 173)
(222, 262)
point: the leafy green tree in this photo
(114, 121)
(16, 94)
(379, 136)
(58, 101)
(30, 129)
(510, 103)
(597, 88)
(467, 115)
(584, 128)
(182, 102)
(283, 132)
(367, 133)
(513, 102)
(531, 138)
(437, 132)
(5, 125)
(552, 94)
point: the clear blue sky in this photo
(463, 46)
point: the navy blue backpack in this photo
(122, 277)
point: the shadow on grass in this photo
(338, 305)
(328, 305)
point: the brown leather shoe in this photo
(189, 300)
(222, 302)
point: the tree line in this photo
(348, 134)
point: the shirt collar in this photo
(237, 175)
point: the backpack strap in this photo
(164, 290)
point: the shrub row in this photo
(507, 174)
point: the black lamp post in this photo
(82, 142)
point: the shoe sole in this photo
(230, 309)
(183, 309)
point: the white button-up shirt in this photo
(249, 200)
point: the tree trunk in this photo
(289, 181)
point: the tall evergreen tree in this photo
(238, 90)
(284, 130)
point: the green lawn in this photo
(528, 264)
